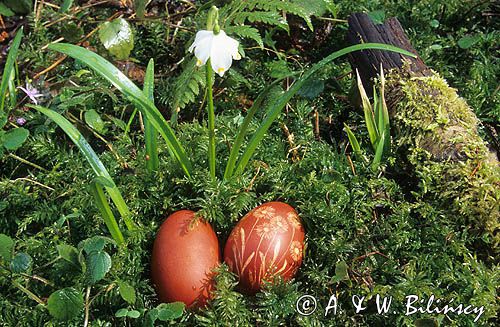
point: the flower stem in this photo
(211, 120)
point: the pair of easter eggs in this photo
(266, 243)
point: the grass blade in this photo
(353, 141)
(379, 152)
(107, 214)
(92, 159)
(130, 90)
(368, 112)
(278, 106)
(9, 66)
(150, 133)
(235, 150)
(385, 111)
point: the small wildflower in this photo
(31, 92)
(21, 121)
(218, 47)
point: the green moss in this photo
(439, 133)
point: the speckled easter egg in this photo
(266, 242)
(185, 252)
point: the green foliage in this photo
(117, 37)
(452, 161)
(8, 70)
(95, 121)
(425, 248)
(187, 87)
(127, 292)
(128, 88)
(20, 263)
(14, 138)
(66, 5)
(99, 170)
(65, 304)
(377, 123)
(6, 246)
(150, 134)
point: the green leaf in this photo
(6, 247)
(103, 181)
(468, 41)
(353, 141)
(72, 33)
(140, 8)
(377, 16)
(311, 88)
(106, 212)
(368, 112)
(65, 304)
(93, 119)
(66, 5)
(121, 313)
(14, 138)
(5, 11)
(20, 6)
(246, 32)
(128, 88)
(9, 66)
(21, 263)
(94, 243)
(379, 151)
(434, 23)
(341, 271)
(117, 37)
(277, 106)
(68, 253)
(133, 314)
(170, 311)
(127, 292)
(150, 134)
(98, 264)
(92, 159)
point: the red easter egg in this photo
(185, 252)
(267, 242)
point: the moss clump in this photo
(437, 131)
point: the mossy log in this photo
(435, 131)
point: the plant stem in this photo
(27, 162)
(30, 294)
(211, 120)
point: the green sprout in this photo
(377, 123)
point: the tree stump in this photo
(434, 130)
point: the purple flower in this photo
(21, 121)
(31, 92)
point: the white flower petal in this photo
(219, 48)
(201, 35)
(220, 59)
(232, 47)
(202, 50)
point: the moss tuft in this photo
(439, 134)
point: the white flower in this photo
(220, 48)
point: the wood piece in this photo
(435, 133)
(363, 30)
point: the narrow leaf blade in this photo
(129, 89)
(278, 106)
(150, 134)
(9, 65)
(92, 159)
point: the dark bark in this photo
(435, 131)
(363, 30)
